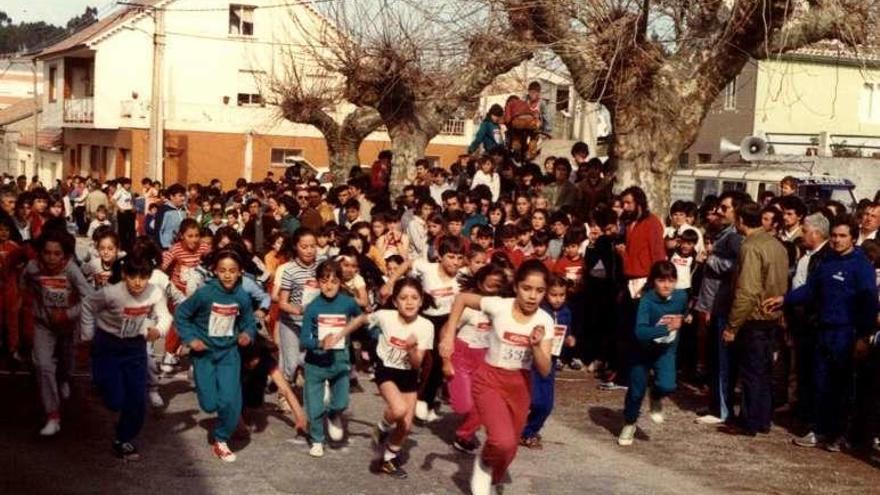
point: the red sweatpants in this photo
(502, 398)
(466, 361)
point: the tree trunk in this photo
(646, 151)
(343, 155)
(408, 143)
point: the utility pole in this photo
(36, 152)
(155, 168)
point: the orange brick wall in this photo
(201, 156)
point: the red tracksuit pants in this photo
(502, 399)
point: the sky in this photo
(56, 12)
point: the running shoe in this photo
(335, 429)
(627, 435)
(221, 450)
(656, 413)
(317, 450)
(481, 478)
(465, 445)
(52, 427)
(576, 364)
(392, 468)
(810, 440)
(533, 443)
(421, 412)
(126, 451)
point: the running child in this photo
(660, 314)
(99, 268)
(119, 319)
(214, 322)
(55, 287)
(543, 387)
(298, 287)
(521, 338)
(327, 361)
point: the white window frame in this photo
(730, 94)
(454, 126)
(240, 10)
(285, 154)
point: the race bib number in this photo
(516, 351)
(133, 320)
(222, 320)
(665, 320)
(331, 325)
(573, 273)
(398, 356)
(56, 292)
(310, 292)
(558, 339)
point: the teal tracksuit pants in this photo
(335, 374)
(217, 374)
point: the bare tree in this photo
(658, 65)
(312, 99)
(415, 64)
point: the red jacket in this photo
(644, 247)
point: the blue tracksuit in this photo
(845, 291)
(325, 366)
(650, 354)
(216, 316)
(543, 387)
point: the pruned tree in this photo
(658, 65)
(314, 99)
(415, 64)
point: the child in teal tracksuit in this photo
(327, 357)
(659, 317)
(213, 322)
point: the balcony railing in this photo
(79, 110)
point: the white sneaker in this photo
(64, 390)
(432, 416)
(627, 434)
(708, 420)
(334, 428)
(53, 426)
(656, 413)
(156, 399)
(221, 450)
(481, 479)
(317, 450)
(421, 410)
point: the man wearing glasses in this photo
(719, 269)
(308, 216)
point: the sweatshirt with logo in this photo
(216, 315)
(116, 311)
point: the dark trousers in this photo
(542, 402)
(804, 337)
(833, 377)
(125, 220)
(755, 348)
(600, 322)
(119, 370)
(432, 366)
(79, 217)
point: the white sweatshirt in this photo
(115, 311)
(492, 181)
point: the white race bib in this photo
(397, 356)
(222, 320)
(516, 351)
(558, 339)
(331, 325)
(133, 320)
(56, 292)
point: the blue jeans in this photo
(725, 372)
(119, 371)
(660, 358)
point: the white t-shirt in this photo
(683, 266)
(443, 291)
(391, 348)
(122, 198)
(475, 327)
(509, 340)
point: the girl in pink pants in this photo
(471, 344)
(520, 337)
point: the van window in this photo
(705, 187)
(768, 186)
(730, 185)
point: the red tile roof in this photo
(17, 111)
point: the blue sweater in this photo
(652, 308)
(214, 305)
(342, 304)
(561, 316)
(844, 288)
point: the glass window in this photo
(241, 20)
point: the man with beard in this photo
(643, 247)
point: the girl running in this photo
(99, 268)
(471, 344)
(520, 338)
(56, 287)
(298, 287)
(659, 317)
(125, 315)
(214, 322)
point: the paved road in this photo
(177, 458)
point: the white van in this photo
(698, 183)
